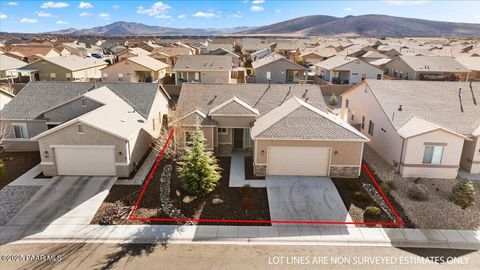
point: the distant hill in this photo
(140, 29)
(367, 25)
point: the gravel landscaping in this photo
(12, 199)
(438, 211)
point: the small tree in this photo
(333, 100)
(463, 193)
(199, 169)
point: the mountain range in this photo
(315, 25)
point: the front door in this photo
(238, 138)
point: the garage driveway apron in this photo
(66, 200)
(304, 198)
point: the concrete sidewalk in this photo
(237, 173)
(271, 235)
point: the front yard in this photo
(437, 211)
(224, 203)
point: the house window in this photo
(269, 76)
(188, 139)
(379, 76)
(120, 77)
(20, 131)
(432, 154)
(68, 76)
(84, 102)
(222, 131)
(363, 122)
(53, 76)
(347, 103)
(80, 129)
(371, 127)
(352, 117)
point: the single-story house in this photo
(31, 53)
(9, 63)
(5, 97)
(472, 63)
(130, 52)
(169, 55)
(136, 69)
(221, 51)
(66, 68)
(203, 69)
(314, 55)
(426, 68)
(287, 128)
(346, 70)
(422, 128)
(85, 128)
(275, 68)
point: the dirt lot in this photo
(200, 208)
(16, 164)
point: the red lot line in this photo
(399, 222)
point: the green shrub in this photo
(362, 196)
(372, 212)
(353, 185)
(415, 193)
(386, 188)
(392, 185)
(199, 170)
(463, 193)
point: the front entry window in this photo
(20, 131)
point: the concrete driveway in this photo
(69, 200)
(305, 198)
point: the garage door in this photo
(310, 161)
(85, 160)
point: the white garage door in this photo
(85, 160)
(308, 161)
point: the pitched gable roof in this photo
(148, 62)
(234, 106)
(203, 63)
(194, 118)
(433, 63)
(73, 62)
(296, 119)
(335, 62)
(416, 126)
(7, 62)
(272, 58)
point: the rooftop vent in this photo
(400, 108)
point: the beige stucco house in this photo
(424, 129)
(275, 68)
(286, 128)
(346, 70)
(203, 69)
(136, 69)
(85, 128)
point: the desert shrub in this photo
(415, 193)
(199, 169)
(372, 212)
(362, 196)
(391, 184)
(386, 187)
(463, 193)
(353, 185)
(247, 203)
(333, 100)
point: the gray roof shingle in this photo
(38, 97)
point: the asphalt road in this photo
(203, 256)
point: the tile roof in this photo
(435, 102)
(295, 119)
(203, 63)
(38, 97)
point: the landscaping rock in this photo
(178, 193)
(189, 199)
(217, 201)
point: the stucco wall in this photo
(470, 160)
(45, 69)
(215, 76)
(158, 110)
(399, 65)
(359, 67)
(412, 164)
(128, 71)
(278, 72)
(208, 133)
(234, 121)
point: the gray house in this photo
(85, 128)
(275, 68)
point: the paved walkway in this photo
(470, 176)
(305, 198)
(237, 173)
(28, 178)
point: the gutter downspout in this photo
(401, 156)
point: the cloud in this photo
(256, 8)
(255, 2)
(62, 22)
(163, 16)
(157, 9)
(3, 16)
(406, 2)
(237, 15)
(44, 14)
(85, 14)
(278, 10)
(27, 20)
(104, 16)
(182, 16)
(115, 6)
(12, 3)
(208, 14)
(85, 5)
(347, 9)
(244, 1)
(54, 5)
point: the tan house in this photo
(274, 68)
(169, 55)
(314, 55)
(426, 68)
(203, 69)
(136, 69)
(31, 53)
(346, 70)
(131, 52)
(423, 129)
(472, 63)
(85, 128)
(263, 119)
(8, 63)
(66, 68)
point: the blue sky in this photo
(40, 16)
